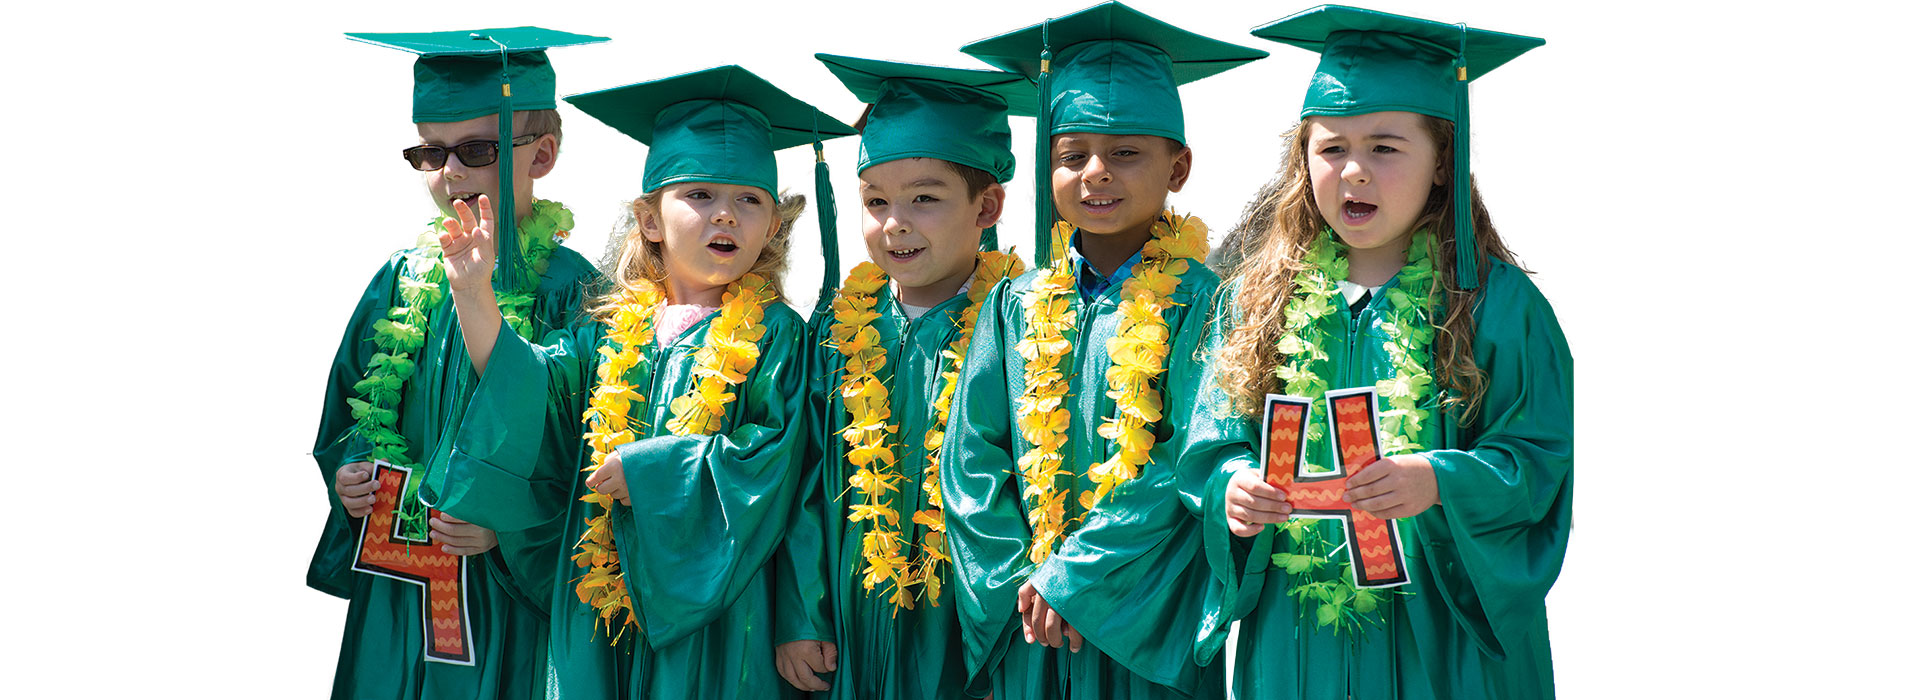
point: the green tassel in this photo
(990, 239)
(1043, 156)
(1466, 261)
(829, 243)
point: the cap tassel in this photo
(1043, 156)
(824, 209)
(505, 221)
(1466, 251)
(990, 239)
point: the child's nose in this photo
(723, 216)
(1096, 170)
(1354, 172)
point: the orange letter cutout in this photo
(385, 551)
(1377, 560)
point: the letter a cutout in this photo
(1377, 559)
(384, 551)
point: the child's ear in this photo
(648, 220)
(1182, 167)
(993, 201)
(546, 150)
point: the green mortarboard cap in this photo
(1378, 62)
(1117, 72)
(715, 125)
(457, 76)
(463, 75)
(953, 114)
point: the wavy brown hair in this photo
(1273, 236)
(630, 257)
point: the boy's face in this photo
(1372, 174)
(919, 224)
(710, 233)
(455, 180)
(1105, 184)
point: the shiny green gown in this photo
(1130, 577)
(707, 514)
(1475, 624)
(381, 653)
(885, 654)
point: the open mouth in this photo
(904, 255)
(1100, 205)
(1356, 212)
(472, 200)
(722, 245)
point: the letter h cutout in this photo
(1376, 559)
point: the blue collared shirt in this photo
(1088, 279)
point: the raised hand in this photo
(1251, 503)
(468, 246)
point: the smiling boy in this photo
(400, 375)
(867, 595)
(1078, 552)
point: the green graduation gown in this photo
(885, 654)
(707, 513)
(1480, 564)
(381, 653)
(1130, 577)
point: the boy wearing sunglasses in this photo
(484, 105)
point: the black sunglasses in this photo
(473, 154)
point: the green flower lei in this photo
(1319, 577)
(376, 412)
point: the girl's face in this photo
(1371, 175)
(710, 234)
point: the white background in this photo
(1719, 204)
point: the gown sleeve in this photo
(1220, 442)
(803, 563)
(1497, 542)
(335, 444)
(1139, 551)
(987, 530)
(709, 510)
(501, 473)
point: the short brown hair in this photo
(539, 122)
(977, 180)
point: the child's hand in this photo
(1400, 486)
(1043, 624)
(459, 537)
(799, 661)
(611, 480)
(1251, 503)
(468, 246)
(354, 484)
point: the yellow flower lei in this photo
(1139, 352)
(865, 398)
(729, 354)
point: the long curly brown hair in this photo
(1272, 239)
(630, 257)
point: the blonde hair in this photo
(630, 257)
(1273, 237)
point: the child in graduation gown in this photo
(651, 536)
(872, 594)
(1371, 261)
(1077, 560)
(400, 378)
